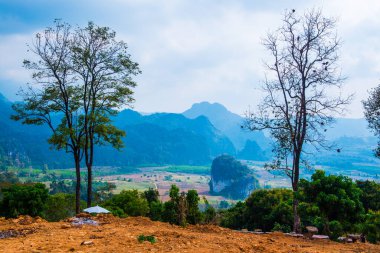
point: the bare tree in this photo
(302, 91)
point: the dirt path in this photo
(120, 235)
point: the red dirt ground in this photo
(120, 235)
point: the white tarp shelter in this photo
(96, 209)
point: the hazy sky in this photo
(194, 50)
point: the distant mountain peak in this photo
(207, 107)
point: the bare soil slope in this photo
(120, 235)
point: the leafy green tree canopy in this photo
(24, 199)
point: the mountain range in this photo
(193, 137)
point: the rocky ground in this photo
(112, 234)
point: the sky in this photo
(195, 50)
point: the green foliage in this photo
(332, 198)
(336, 229)
(170, 213)
(370, 196)
(266, 207)
(151, 195)
(224, 204)
(194, 215)
(60, 187)
(24, 199)
(283, 228)
(174, 193)
(131, 202)
(234, 217)
(371, 226)
(60, 206)
(209, 215)
(156, 210)
(116, 211)
(149, 238)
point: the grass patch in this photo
(200, 170)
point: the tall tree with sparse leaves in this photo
(83, 77)
(105, 69)
(302, 91)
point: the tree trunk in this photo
(89, 185)
(77, 186)
(296, 217)
(89, 162)
(295, 180)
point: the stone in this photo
(87, 243)
(311, 229)
(294, 234)
(65, 226)
(320, 237)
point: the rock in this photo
(294, 234)
(244, 230)
(320, 237)
(311, 229)
(258, 230)
(356, 237)
(87, 243)
(65, 226)
(344, 239)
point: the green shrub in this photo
(156, 210)
(336, 229)
(131, 202)
(149, 238)
(266, 207)
(194, 215)
(234, 217)
(282, 228)
(371, 226)
(24, 199)
(60, 206)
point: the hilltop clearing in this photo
(120, 235)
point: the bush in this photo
(24, 199)
(194, 216)
(156, 210)
(334, 198)
(336, 229)
(371, 226)
(131, 202)
(370, 196)
(282, 228)
(149, 238)
(234, 217)
(266, 207)
(60, 206)
(117, 211)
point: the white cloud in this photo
(191, 51)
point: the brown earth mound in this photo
(121, 235)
